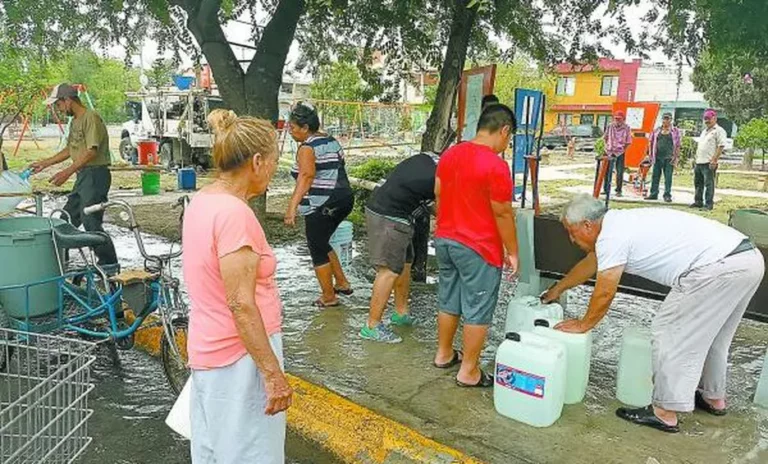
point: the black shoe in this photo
(652, 197)
(696, 205)
(618, 194)
(702, 404)
(709, 207)
(645, 416)
(668, 199)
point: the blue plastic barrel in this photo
(341, 241)
(187, 179)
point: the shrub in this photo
(687, 151)
(374, 169)
(600, 147)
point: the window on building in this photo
(603, 120)
(287, 88)
(564, 119)
(566, 85)
(588, 119)
(610, 86)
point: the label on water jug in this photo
(521, 381)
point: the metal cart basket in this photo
(44, 385)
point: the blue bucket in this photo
(187, 179)
(341, 242)
(183, 82)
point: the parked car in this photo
(586, 136)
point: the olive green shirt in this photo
(86, 132)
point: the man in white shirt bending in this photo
(713, 271)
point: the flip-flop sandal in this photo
(706, 407)
(455, 360)
(344, 291)
(322, 304)
(486, 381)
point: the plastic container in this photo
(11, 182)
(28, 240)
(187, 179)
(634, 382)
(522, 311)
(751, 222)
(530, 377)
(150, 183)
(183, 82)
(761, 394)
(578, 354)
(147, 151)
(341, 241)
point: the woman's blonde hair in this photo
(238, 139)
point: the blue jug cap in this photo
(512, 336)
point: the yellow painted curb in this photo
(351, 432)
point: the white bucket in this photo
(341, 241)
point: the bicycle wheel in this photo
(175, 367)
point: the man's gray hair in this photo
(583, 207)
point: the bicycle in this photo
(91, 297)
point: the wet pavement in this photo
(398, 382)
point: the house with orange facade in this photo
(585, 93)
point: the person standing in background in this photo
(88, 148)
(663, 153)
(711, 146)
(475, 237)
(618, 137)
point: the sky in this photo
(240, 32)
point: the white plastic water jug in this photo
(522, 311)
(634, 382)
(341, 242)
(578, 353)
(11, 182)
(530, 379)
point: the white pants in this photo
(694, 327)
(227, 413)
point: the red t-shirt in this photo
(471, 176)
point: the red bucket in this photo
(147, 152)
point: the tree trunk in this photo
(749, 156)
(438, 133)
(253, 92)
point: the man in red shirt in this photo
(475, 238)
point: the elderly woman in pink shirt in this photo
(239, 390)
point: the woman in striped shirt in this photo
(323, 196)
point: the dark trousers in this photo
(659, 167)
(704, 183)
(619, 162)
(92, 187)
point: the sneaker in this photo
(652, 197)
(668, 199)
(696, 205)
(709, 207)
(397, 319)
(618, 194)
(381, 333)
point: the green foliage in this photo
(523, 74)
(721, 78)
(753, 135)
(339, 81)
(374, 169)
(161, 73)
(687, 151)
(600, 147)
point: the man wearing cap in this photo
(88, 148)
(663, 153)
(711, 145)
(618, 137)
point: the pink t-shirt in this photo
(215, 225)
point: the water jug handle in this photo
(513, 336)
(541, 323)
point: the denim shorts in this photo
(469, 286)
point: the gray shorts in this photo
(227, 414)
(390, 242)
(469, 286)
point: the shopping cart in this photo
(44, 386)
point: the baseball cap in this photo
(710, 114)
(667, 114)
(59, 92)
